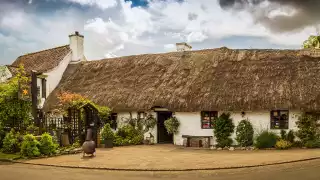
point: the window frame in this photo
(113, 122)
(272, 121)
(212, 116)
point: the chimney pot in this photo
(77, 33)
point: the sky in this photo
(114, 28)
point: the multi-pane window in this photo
(44, 88)
(279, 119)
(207, 118)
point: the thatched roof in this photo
(43, 61)
(213, 79)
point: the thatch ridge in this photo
(210, 79)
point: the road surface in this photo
(309, 170)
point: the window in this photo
(279, 119)
(207, 118)
(113, 120)
(44, 88)
(38, 91)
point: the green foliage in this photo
(266, 140)
(244, 133)
(222, 129)
(11, 142)
(297, 144)
(12, 107)
(32, 129)
(283, 144)
(307, 128)
(287, 137)
(313, 143)
(106, 132)
(29, 147)
(312, 42)
(68, 100)
(143, 124)
(2, 135)
(172, 125)
(47, 145)
(128, 135)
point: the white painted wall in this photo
(4, 73)
(190, 123)
(55, 75)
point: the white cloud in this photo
(102, 4)
(122, 30)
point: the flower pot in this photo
(108, 143)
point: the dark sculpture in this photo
(89, 146)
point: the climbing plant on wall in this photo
(13, 108)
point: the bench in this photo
(200, 144)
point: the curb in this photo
(163, 170)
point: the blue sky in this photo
(121, 27)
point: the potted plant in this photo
(107, 135)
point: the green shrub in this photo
(11, 142)
(106, 132)
(313, 144)
(244, 133)
(2, 135)
(298, 144)
(223, 127)
(47, 145)
(29, 147)
(172, 125)
(288, 137)
(128, 135)
(266, 140)
(283, 144)
(32, 129)
(307, 128)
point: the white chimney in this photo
(76, 46)
(183, 47)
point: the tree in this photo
(312, 42)
(13, 108)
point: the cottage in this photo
(270, 88)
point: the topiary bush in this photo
(29, 147)
(283, 144)
(244, 133)
(47, 145)
(106, 132)
(223, 127)
(266, 139)
(307, 128)
(11, 142)
(172, 125)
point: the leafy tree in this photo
(13, 109)
(307, 128)
(312, 42)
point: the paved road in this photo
(298, 171)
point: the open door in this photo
(163, 136)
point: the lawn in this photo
(9, 156)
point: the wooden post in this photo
(34, 96)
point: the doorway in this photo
(163, 136)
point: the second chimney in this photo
(183, 46)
